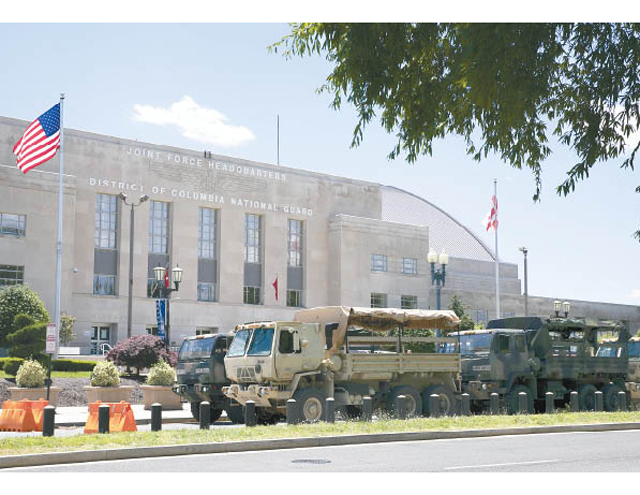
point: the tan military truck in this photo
(345, 353)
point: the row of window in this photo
(379, 300)
(408, 266)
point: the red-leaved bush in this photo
(141, 351)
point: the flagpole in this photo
(495, 195)
(56, 310)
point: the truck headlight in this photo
(484, 386)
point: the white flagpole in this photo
(56, 311)
(495, 193)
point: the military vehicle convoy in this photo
(537, 356)
(201, 376)
(345, 353)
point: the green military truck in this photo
(633, 378)
(536, 356)
(344, 353)
(201, 376)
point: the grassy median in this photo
(31, 445)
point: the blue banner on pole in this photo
(160, 316)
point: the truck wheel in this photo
(235, 413)
(610, 397)
(513, 399)
(413, 401)
(447, 400)
(214, 414)
(310, 403)
(587, 397)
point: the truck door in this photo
(510, 356)
(288, 353)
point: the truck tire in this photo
(447, 400)
(311, 404)
(213, 416)
(513, 398)
(413, 401)
(235, 413)
(587, 397)
(610, 397)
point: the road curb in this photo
(291, 443)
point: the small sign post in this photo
(50, 349)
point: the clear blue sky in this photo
(580, 247)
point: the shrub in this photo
(72, 365)
(22, 320)
(28, 341)
(11, 365)
(66, 329)
(161, 373)
(141, 351)
(105, 374)
(16, 300)
(31, 374)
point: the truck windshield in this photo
(261, 342)
(633, 349)
(196, 349)
(473, 344)
(239, 343)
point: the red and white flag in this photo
(40, 141)
(491, 220)
(275, 286)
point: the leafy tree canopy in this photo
(456, 305)
(505, 88)
(19, 300)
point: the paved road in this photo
(559, 452)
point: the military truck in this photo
(633, 378)
(345, 353)
(201, 376)
(540, 355)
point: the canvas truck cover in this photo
(375, 319)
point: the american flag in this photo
(491, 220)
(40, 141)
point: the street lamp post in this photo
(164, 292)
(526, 290)
(438, 276)
(142, 199)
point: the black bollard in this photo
(292, 412)
(523, 406)
(622, 401)
(494, 403)
(367, 409)
(250, 413)
(434, 405)
(205, 415)
(330, 410)
(156, 417)
(466, 404)
(103, 419)
(48, 421)
(574, 404)
(599, 401)
(401, 407)
(548, 398)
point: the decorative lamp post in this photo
(566, 306)
(142, 199)
(526, 291)
(438, 276)
(557, 306)
(164, 291)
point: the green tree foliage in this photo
(28, 341)
(66, 328)
(16, 300)
(505, 88)
(466, 323)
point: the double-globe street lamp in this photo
(438, 275)
(142, 199)
(566, 306)
(164, 290)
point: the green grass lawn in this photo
(57, 374)
(30, 445)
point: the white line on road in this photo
(500, 465)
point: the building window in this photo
(206, 330)
(252, 238)
(378, 263)
(294, 242)
(206, 291)
(509, 314)
(106, 221)
(378, 300)
(252, 295)
(158, 227)
(100, 339)
(152, 330)
(104, 285)
(410, 266)
(482, 315)
(13, 225)
(294, 298)
(409, 302)
(11, 275)
(207, 233)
